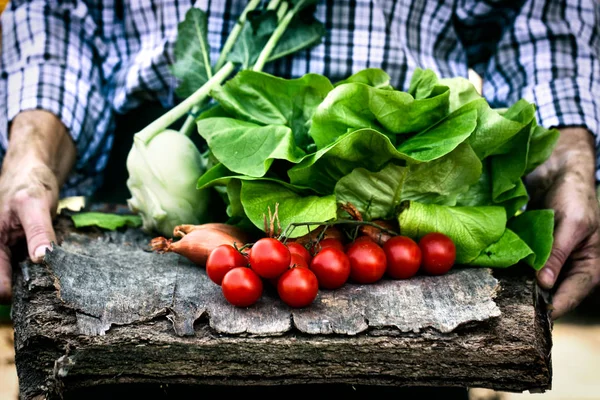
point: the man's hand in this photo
(39, 157)
(566, 184)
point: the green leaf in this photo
(506, 252)
(462, 92)
(364, 148)
(440, 139)
(192, 53)
(219, 175)
(105, 220)
(378, 194)
(354, 106)
(422, 84)
(541, 145)
(303, 32)
(471, 228)
(253, 37)
(479, 193)
(248, 148)
(375, 194)
(373, 77)
(536, 228)
(268, 100)
(258, 196)
(442, 180)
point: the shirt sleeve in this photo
(52, 60)
(549, 56)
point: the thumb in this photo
(566, 239)
(35, 217)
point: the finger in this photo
(5, 275)
(579, 283)
(34, 214)
(566, 239)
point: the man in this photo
(69, 66)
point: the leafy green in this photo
(304, 31)
(354, 106)
(374, 77)
(254, 36)
(378, 194)
(471, 228)
(268, 100)
(541, 145)
(258, 196)
(192, 53)
(219, 175)
(248, 148)
(364, 148)
(536, 228)
(105, 220)
(440, 139)
(506, 252)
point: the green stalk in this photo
(188, 126)
(279, 31)
(235, 32)
(282, 10)
(145, 135)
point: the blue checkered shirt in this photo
(87, 60)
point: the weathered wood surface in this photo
(104, 311)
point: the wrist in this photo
(37, 138)
(574, 154)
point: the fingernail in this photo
(40, 252)
(546, 277)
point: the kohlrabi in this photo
(164, 165)
(163, 188)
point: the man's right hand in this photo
(39, 157)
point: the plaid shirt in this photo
(85, 60)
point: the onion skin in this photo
(196, 245)
(376, 234)
(181, 230)
(311, 238)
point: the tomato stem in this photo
(290, 228)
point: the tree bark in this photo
(70, 337)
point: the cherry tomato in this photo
(328, 242)
(403, 257)
(299, 249)
(298, 287)
(367, 262)
(241, 287)
(297, 261)
(223, 259)
(439, 253)
(269, 258)
(331, 267)
(362, 238)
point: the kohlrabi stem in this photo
(235, 32)
(282, 10)
(188, 126)
(279, 31)
(162, 123)
(273, 5)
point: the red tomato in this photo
(439, 253)
(328, 242)
(298, 261)
(367, 262)
(331, 267)
(242, 287)
(403, 257)
(269, 258)
(297, 248)
(223, 259)
(298, 287)
(362, 238)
